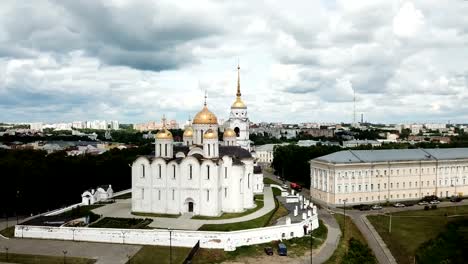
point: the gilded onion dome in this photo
(188, 132)
(205, 117)
(164, 134)
(229, 132)
(210, 134)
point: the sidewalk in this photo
(123, 209)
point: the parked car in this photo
(269, 251)
(295, 186)
(285, 186)
(282, 250)
(455, 199)
(376, 207)
(435, 202)
(399, 205)
(365, 207)
(423, 203)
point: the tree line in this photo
(33, 182)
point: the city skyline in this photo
(133, 62)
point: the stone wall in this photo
(179, 238)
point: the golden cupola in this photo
(210, 134)
(238, 103)
(164, 133)
(229, 132)
(188, 132)
(205, 117)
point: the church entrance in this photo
(237, 130)
(190, 207)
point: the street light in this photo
(6, 253)
(170, 245)
(344, 218)
(65, 256)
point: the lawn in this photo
(351, 231)
(130, 223)
(41, 259)
(261, 221)
(270, 181)
(156, 215)
(159, 254)
(123, 196)
(410, 229)
(296, 247)
(258, 202)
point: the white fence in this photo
(181, 238)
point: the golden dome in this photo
(164, 134)
(228, 132)
(205, 117)
(188, 132)
(238, 103)
(210, 134)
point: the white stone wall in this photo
(179, 238)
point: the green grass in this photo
(269, 181)
(351, 231)
(41, 259)
(130, 223)
(279, 212)
(159, 254)
(261, 221)
(276, 191)
(8, 232)
(156, 215)
(258, 202)
(123, 196)
(410, 229)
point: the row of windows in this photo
(364, 187)
(173, 194)
(397, 196)
(143, 172)
(367, 173)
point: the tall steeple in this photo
(238, 103)
(238, 81)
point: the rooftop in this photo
(384, 155)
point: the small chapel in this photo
(204, 175)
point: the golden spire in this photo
(238, 81)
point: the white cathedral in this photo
(204, 176)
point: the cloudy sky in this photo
(65, 60)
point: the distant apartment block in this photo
(153, 125)
(319, 132)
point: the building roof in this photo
(384, 155)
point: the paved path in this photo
(122, 208)
(329, 246)
(104, 253)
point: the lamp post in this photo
(344, 222)
(311, 245)
(170, 245)
(64, 256)
(6, 253)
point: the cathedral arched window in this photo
(142, 170)
(248, 181)
(159, 171)
(225, 172)
(160, 152)
(173, 171)
(190, 172)
(209, 149)
(237, 130)
(165, 149)
(208, 171)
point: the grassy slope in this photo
(350, 231)
(412, 228)
(41, 259)
(159, 254)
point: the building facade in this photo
(377, 176)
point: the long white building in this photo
(375, 176)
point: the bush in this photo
(433, 207)
(358, 253)
(426, 207)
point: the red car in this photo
(295, 186)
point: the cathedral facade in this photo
(203, 176)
